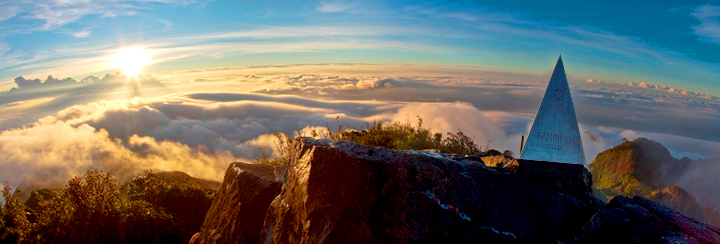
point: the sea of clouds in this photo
(200, 126)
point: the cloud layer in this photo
(200, 132)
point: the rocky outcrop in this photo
(238, 211)
(638, 220)
(341, 192)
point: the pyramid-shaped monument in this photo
(555, 136)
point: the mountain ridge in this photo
(646, 168)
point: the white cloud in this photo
(333, 7)
(444, 117)
(82, 34)
(709, 28)
(51, 152)
(198, 133)
(58, 13)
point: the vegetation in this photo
(396, 135)
(645, 168)
(94, 208)
(634, 168)
(399, 135)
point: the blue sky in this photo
(674, 43)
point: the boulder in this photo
(238, 211)
(342, 192)
(638, 220)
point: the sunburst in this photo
(131, 60)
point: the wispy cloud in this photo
(333, 7)
(82, 34)
(8, 9)
(709, 28)
(81, 59)
(57, 13)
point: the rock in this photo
(195, 239)
(638, 220)
(342, 192)
(238, 211)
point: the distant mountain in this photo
(182, 177)
(28, 191)
(645, 168)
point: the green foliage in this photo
(174, 198)
(14, 224)
(618, 171)
(398, 135)
(94, 208)
(459, 143)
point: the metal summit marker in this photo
(554, 136)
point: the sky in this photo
(194, 85)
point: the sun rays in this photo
(131, 60)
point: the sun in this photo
(131, 60)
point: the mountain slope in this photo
(645, 168)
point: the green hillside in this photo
(645, 168)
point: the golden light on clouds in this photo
(131, 60)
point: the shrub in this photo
(94, 208)
(287, 147)
(398, 135)
(14, 224)
(172, 198)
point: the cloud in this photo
(194, 120)
(8, 9)
(109, 79)
(646, 85)
(320, 84)
(443, 117)
(82, 34)
(198, 133)
(51, 152)
(333, 7)
(57, 13)
(709, 28)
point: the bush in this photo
(173, 198)
(14, 224)
(94, 208)
(402, 136)
(288, 148)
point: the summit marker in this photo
(555, 136)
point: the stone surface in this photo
(638, 220)
(238, 211)
(341, 192)
(554, 136)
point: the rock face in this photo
(238, 211)
(638, 220)
(341, 192)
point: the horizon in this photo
(194, 85)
